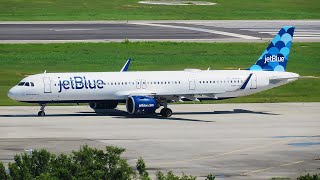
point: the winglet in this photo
(126, 66)
(245, 82)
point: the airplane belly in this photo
(84, 95)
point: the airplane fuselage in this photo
(103, 86)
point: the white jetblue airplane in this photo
(144, 92)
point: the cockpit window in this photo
(21, 83)
(26, 84)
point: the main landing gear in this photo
(165, 111)
(41, 112)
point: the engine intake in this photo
(141, 105)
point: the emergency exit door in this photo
(192, 84)
(254, 81)
(47, 85)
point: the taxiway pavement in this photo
(232, 141)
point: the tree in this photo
(86, 164)
(210, 177)
(3, 174)
(171, 176)
(309, 177)
(141, 167)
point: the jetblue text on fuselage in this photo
(273, 58)
(78, 82)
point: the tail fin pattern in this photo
(275, 57)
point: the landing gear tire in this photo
(166, 112)
(41, 113)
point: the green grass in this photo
(19, 60)
(13, 10)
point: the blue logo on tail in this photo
(275, 57)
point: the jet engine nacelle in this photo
(104, 105)
(141, 105)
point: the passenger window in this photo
(21, 83)
(27, 84)
(31, 83)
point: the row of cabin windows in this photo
(26, 84)
(151, 82)
(224, 81)
(174, 82)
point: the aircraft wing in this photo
(169, 97)
(136, 93)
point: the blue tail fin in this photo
(275, 57)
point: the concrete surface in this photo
(199, 31)
(233, 141)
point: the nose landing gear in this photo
(41, 112)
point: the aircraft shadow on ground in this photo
(124, 115)
(158, 117)
(235, 111)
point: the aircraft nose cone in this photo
(12, 93)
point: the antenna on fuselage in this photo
(45, 71)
